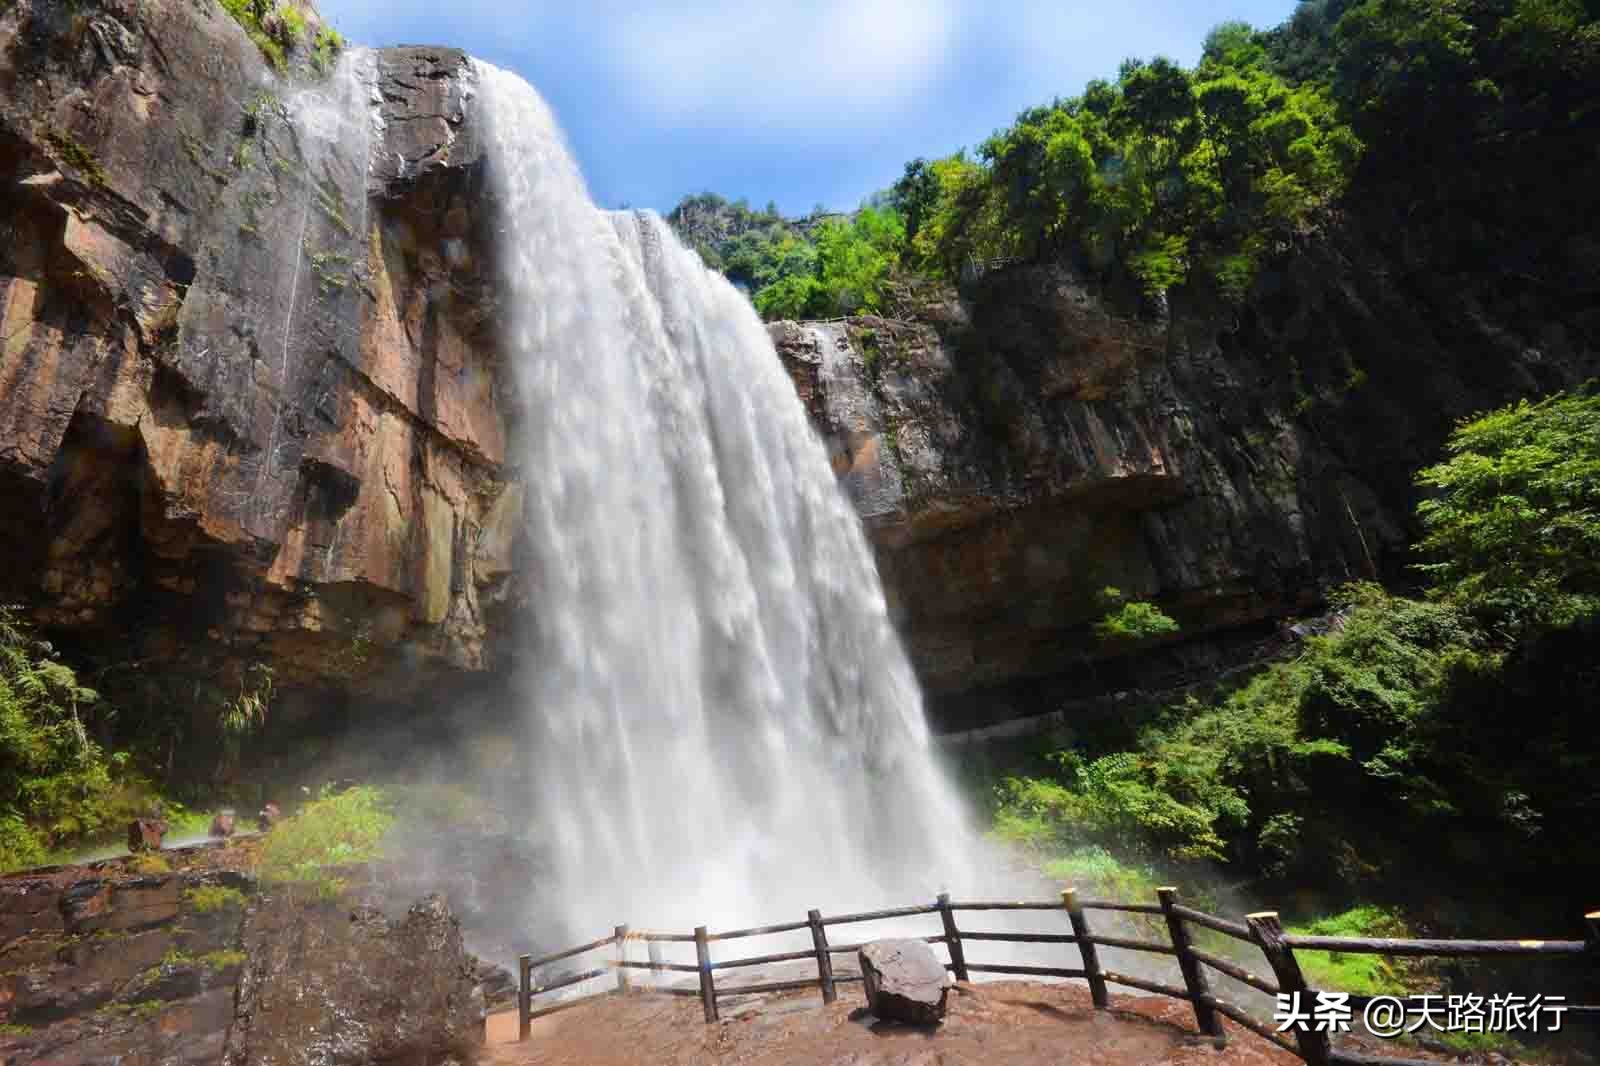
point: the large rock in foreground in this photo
(905, 981)
(336, 987)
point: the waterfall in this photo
(726, 728)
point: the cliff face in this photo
(251, 406)
(1018, 449)
(248, 397)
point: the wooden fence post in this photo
(819, 940)
(1194, 975)
(1268, 935)
(524, 996)
(624, 979)
(952, 937)
(1091, 958)
(1591, 923)
(708, 987)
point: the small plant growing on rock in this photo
(209, 898)
(336, 829)
(325, 52)
(222, 960)
(1130, 620)
(149, 864)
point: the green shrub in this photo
(222, 960)
(209, 898)
(1359, 974)
(325, 51)
(57, 785)
(1514, 532)
(149, 864)
(336, 829)
(1130, 620)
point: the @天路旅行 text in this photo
(1385, 1016)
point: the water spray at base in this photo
(725, 725)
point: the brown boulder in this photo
(905, 981)
(222, 825)
(327, 984)
(144, 834)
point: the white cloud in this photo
(853, 62)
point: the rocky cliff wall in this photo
(1019, 446)
(249, 397)
(252, 408)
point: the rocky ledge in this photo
(249, 409)
(252, 409)
(178, 957)
(1018, 446)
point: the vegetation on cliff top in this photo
(1170, 181)
(1452, 726)
(280, 29)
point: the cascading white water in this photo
(726, 726)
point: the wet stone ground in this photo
(1001, 1023)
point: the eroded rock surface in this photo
(904, 981)
(344, 988)
(248, 391)
(1018, 448)
(127, 960)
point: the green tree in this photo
(1515, 528)
(57, 784)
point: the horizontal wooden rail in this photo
(662, 938)
(1020, 905)
(872, 916)
(760, 960)
(1149, 986)
(1244, 1018)
(565, 982)
(758, 930)
(1024, 938)
(1133, 945)
(1126, 908)
(1034, 971)
(666, 967)
(1235, 971)
(846, 949)
(1237, 930)
(1435, 948)
(769, 986)
(605, 941)
(566, 1004)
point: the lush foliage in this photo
(1469, 116)
(1515, 528)
(278, 29)
(1412, 728)
(1129, 620)
(338, 828)
(1362, 975)
(57, 784)
(1165, 177)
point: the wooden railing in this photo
(1261, 930)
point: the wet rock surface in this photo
(904, 981)
(1020, 446)
(331, 985)
(124, 960)
(245, 383)
(175, 958)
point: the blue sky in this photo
(803, 103)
